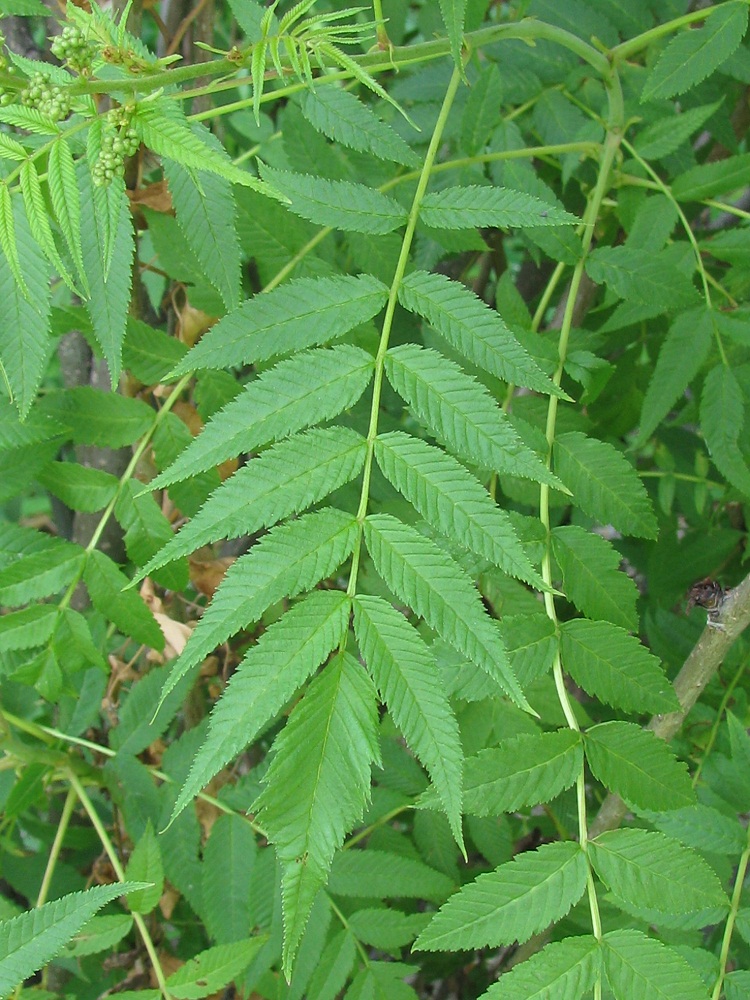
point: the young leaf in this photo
(211, 970)
(106, 586)
(472, 328)
(406, 675)
(684, 350)
(695, 54)
(604, 484)
(472, 207)
(145, 865)
(290, 476)
(638, 766)
(382, 874)
(303, 390)
(722, 416)
(656, 872)
(66, 202)
(640, 278)
(639, 966)
(79, 487)
(33, 577)
(318, 784)
(289, 559)
(272, 670)
(564, 970)
(338, 114)
(522, 771)
(429, 581)
(615, 667)
(338, 204)
(592, 579)
(30, 940)
(461, 412)
(512, 903)
(302, 313)
(453, 501)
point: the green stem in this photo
(57, 843)
(403, 260)
(719, 719)
(724, 207)
(733, 910)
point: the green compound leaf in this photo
(682, 354)
(722, 416)
(461, 412)
(522, 771)
(289, 559)
(512, 903)
(564, 970)
(311, 387)
(638, 766)
(272, 670)
(641, 278)
(472, 328)
(614, 667)
(407, 677)
(479, 117)
(472, 207)
(604, 484)
(656, 872)
(639, 966)
(300, 314)
(592, 578)
(453, 501)
(695, 54)
(342, 117)
(284, 480)
(337, 204)
(428, 580)
(318, 785)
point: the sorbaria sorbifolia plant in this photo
(374, 389)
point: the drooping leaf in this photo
(564, 970)
(722, 415)
(303, 313)
(106, 586)
(471, 207)
(338, 204)
(640, 966)
(38, 218)
(460, 411)
(318, 784)
(303, 390)
(512, 903)
(638, 766)
(694, 54)
(406, 675)
(334, 966)
(615, 667)
(472, 328)
(272, 670)
(642, 279)
(604, 484)
(453, 501)
(429, 581)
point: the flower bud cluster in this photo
(51, 100)
(119, 141)
(73, 48)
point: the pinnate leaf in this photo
(564, 970)
(592, 579)
(38, 217)
(722, 416)
(638, 766)
(512, 903)
(472, 207)
(639, 966)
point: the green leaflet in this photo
(79, 487)
(289, 559)
(472, 328)
(682, 354)
(656, 872)
(124, 608)
(302, 313)
(480, 114)
(564, 970)
(225, 908)
(102, 419)
(149, 353)
(709, 179)
(268, 676)
(512, 903)
(147, 531)
(313, 386)
(522, 771)
(380, 874)
(471, 207)
(333, 966)
(722, 416)
(407, 677)
(667, 135)
(290, 476)
(213, 969)
(342, 117)
(639, 966)
(33, 577)
(36, 213)
(604, 484)
(641, 278)
(695, 54)
(100, 934)
(699, 825)
(460, 411)
(453, 501)
(531, 643)
(453, 13)
(318, 784)
(145, 865)
(30, 940)
(429, 581)
(638, 766)
(66, 202)
(338, 204)
(386, 929)
(592, 578)
(615, 667)
(27, 628)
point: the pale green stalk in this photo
(733, 910)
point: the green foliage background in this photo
(374, 394)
